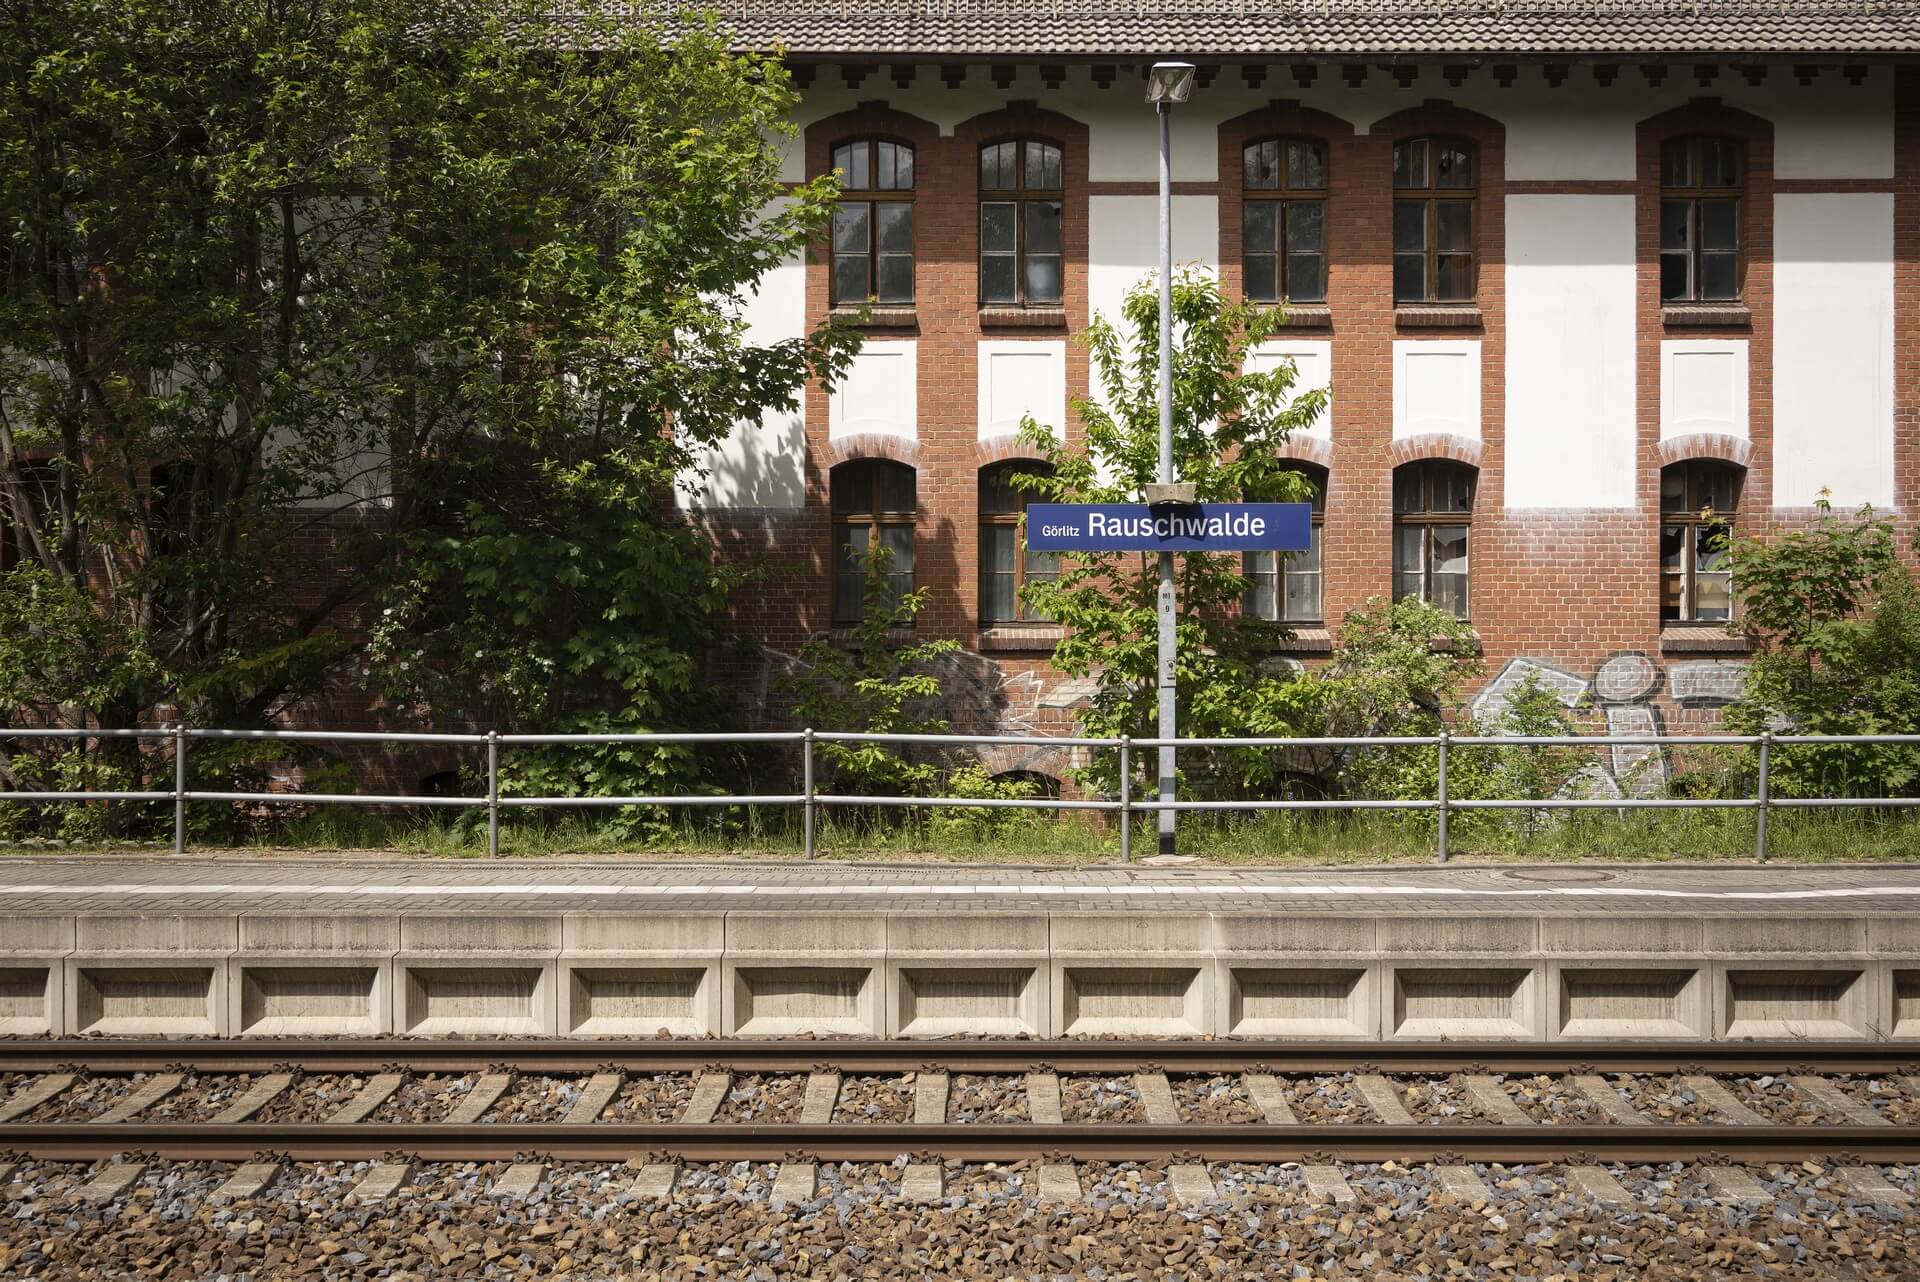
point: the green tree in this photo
(462, 309)
(1834, 613)
(1228, 426)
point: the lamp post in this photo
(1167, 83)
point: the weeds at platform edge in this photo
(1269, 838)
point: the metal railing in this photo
(811, 800)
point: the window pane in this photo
(1043, 278)
(1717, 488)
(850, 228)
(1260, 166)
(850, 284)
(1673, 490)
(1043, 226)
(1718, 228)
(896, 228)
(1410, 163)
(1673, 276)
(1259, 227)
(1453, 490)
(997, 495)
(996, 166)
(1304, 226)
(896, 279)
(852, 486)
(1455, 277)
(1719, 275)
(1406, 491)
(997, 593)
(1262, 273)
(1713, 597)
(1306, 278)
(1407, 543)
(1043, 167)
(997, 229)
(1410, 226)
(997, 548)
(1676, 224)
(1710, 553)
(843, 161)
(1257, 569)
(859, 177)
(1719, 163)
(1409, 278)
(1674, 169)
(997, 277)
(1455, 219)
(1450, 593)
(898, 540)
(1453, 165)
(1449, 549)
(897, 486)
(1303, 596)
(894, 167)
(1306, 166)
(1672, 597)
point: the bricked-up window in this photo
(1286, 588)
(1432, 510)
(1022, 194)
(1698, 502)
(873, 223)
(873, 502)
(1433, 190)
(1283, 220)
(1007, 564)
(1699, 220)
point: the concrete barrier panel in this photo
(33, 975)
(313, 975)
(1904, 991)
(1798, 1000)
(1269, 936)
(498, 998)
(1314, 1002)
(1485, 936)
(1465, 1002)
(1623, 936)
(147, 997)
(1132, 1000)
(973, 974)
(1784, 937)
(640, 974)
(1612, 1001)
(789, 973)
(156, 934)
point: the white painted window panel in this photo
(1312, 366)
(1436, 387)
(878, 393)
(1020, 377)
(1703, 387)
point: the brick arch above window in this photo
(1004, 447)
(1302, 448)
(869, 445)
(1710, 118)
(1705, 445)
(1280, 120)
(1025, 122)
(1436, 445)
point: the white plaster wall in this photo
(1436, 387)
(1019, 377)
(1312, 369)
(1704, 387)
(1833, 349)
(761, 465)
(1123, 243)
(879, 393)
(1570, 351)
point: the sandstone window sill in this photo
(1706, 315)
(1438, 316)
(1021, 636)
(1702, 640)
(879, 317)
(1024, 317)
(1441, 645)
(1307, 640)
(1308, 316)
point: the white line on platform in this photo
(1191, 890)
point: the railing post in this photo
(179, 787)
(1441, 789)
(1765, 795)
(1126, 799)
(493, 794)
(806, 767)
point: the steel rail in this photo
(1001, 1055)
(967, 1141)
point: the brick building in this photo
(1573, 272)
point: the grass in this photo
(1263, 838)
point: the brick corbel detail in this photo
(1430, 445)
(1713, 445)
(869, 445)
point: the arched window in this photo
(1700, 183)
(1433, 190)
(873, 223)
(1286, 587)
(1432, 511)
(1022, 193)
(1006, 563)
(1698, 502)
(1283, 220)
(874, 501)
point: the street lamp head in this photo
(1169, 83)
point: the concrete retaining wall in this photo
(1406, 978)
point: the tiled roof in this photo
(881, 29)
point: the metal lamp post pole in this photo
(1166, 664)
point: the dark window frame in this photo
(1695, 516)
(1284, 195)
(873, 516)
(1024, 199)
(1694, 196)
(1271, 571)
(1431, 196)
(1428, 517)
(870, 198)
(1025, 559)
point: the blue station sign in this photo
(1197, 527)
